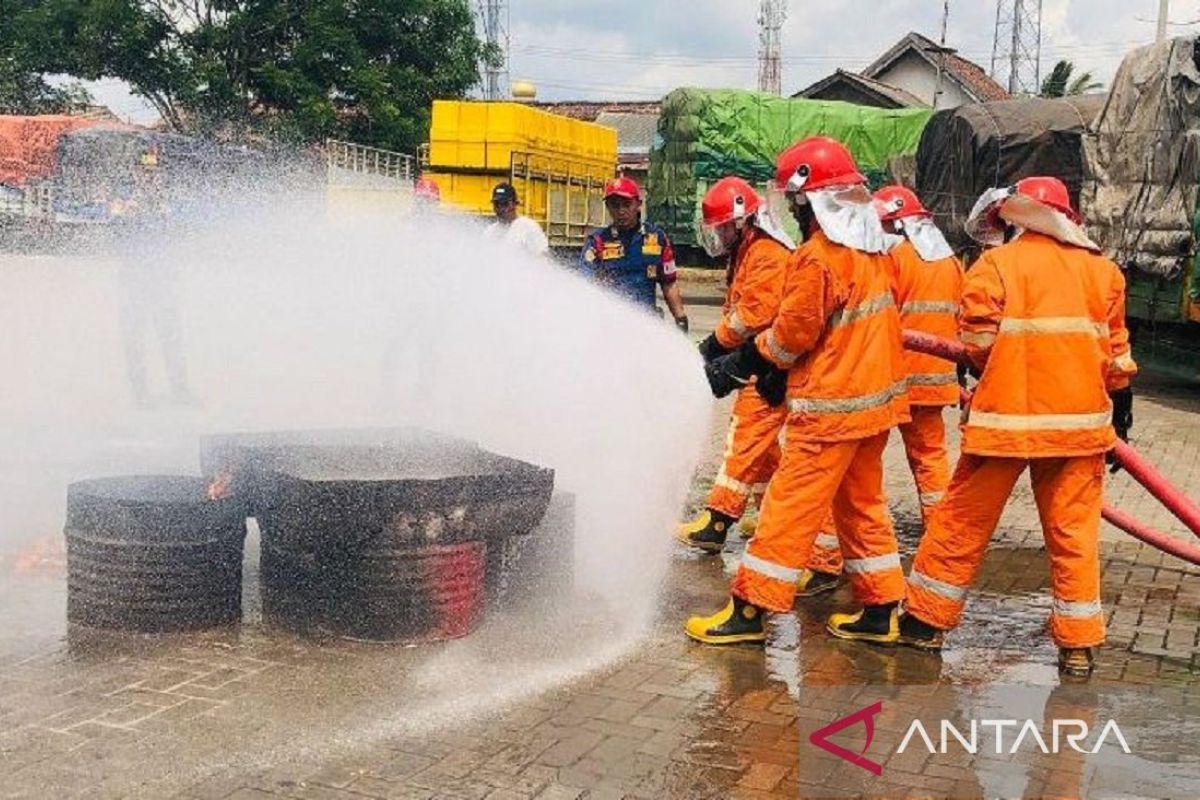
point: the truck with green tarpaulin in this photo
(705, 134)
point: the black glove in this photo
(772, 387)
(682, 323)
(729, 373)
(1122, 400)
(711, 349)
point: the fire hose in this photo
(1133, 462)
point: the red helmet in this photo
(728, 200)
(1051, 192)
(427, 189)
(622, 187)
(817, 162)
(897, 202)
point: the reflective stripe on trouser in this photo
(1068, 492)
(925, 446)
(826, 553)
(813, 477)
(751, 453)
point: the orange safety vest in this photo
(1046, 322)
(928, 293)
(838, 331)
(752, 302)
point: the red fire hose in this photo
(1134, 463)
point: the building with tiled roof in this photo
(915, 68)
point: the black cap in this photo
(504, 193)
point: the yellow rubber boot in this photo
(749, 525)
(874, 624)
(738, 622)
(707, 531)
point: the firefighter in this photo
(1043, 319)
(837, 336)
(630, 256)
(736, 225)
(928, 284)
(928, 287)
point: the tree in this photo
(294, 69)
(24, 88)
(1062, 82)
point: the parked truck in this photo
(558, 165)
(1131, 159)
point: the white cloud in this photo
(630, 49)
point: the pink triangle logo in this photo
(866, 716)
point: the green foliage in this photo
(302, 70)
(23, 86)
(1062, 82)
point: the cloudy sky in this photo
(641, 49)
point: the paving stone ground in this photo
(256, 715)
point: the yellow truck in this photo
(557, 164)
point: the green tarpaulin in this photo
(704, 135)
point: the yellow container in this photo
(557, 164)
(486, 134)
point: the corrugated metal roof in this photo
(635, 132)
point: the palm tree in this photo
(1062, 82)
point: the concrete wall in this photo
(917, 76)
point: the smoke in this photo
(287, 316)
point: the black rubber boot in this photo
(707, 531)
(738, 622)
(875, 624)
(918, 634)
(813, 583)
(1077, 662)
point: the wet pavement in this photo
(254, 713)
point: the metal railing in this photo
(344, 160)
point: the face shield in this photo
(788, 211)
(718, 239)
(926, 238)
(984, 224)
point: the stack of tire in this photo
(383, 535)
(153, 554)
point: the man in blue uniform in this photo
(630, 256)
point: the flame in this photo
(46, 555)
(221, 486)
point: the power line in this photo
(679, 59)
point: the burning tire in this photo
(153, 554)
(380, 593)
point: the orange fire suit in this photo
(838, 334)
(1046, 323)
(928, 294)
(752, 447)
